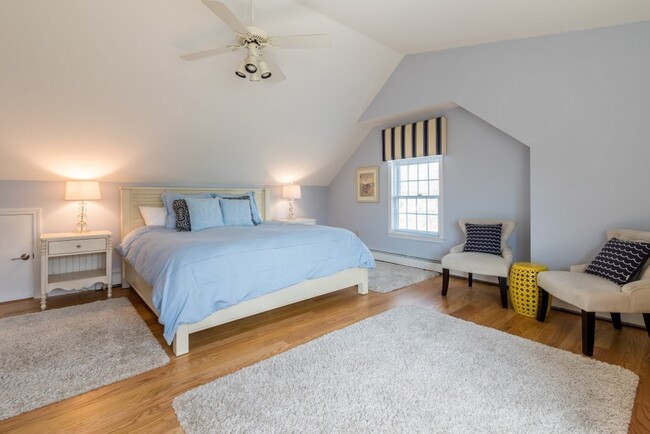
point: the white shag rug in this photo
(414, 370)
(52, 355)
(387, 277)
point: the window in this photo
(416, 195)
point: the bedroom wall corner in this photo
(486, 174)
(580, 101)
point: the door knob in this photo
(23, 257)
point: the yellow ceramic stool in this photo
(524, 292)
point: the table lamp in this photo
(82, 191)
(291, 192)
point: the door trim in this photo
(35, 213)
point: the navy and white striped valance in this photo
(419, 139)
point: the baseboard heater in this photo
(633, 320)
(425, 264)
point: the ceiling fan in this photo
(258, 63)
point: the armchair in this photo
(593, 294)
(481, 263)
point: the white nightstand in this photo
(302, 221)
(75, 260)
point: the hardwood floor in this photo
(143, 403)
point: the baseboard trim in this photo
(409, 261)
(633, 320)
(425, 264)
(116, 278)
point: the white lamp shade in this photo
(291, 191)
(82, 190)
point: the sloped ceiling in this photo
(417, 26)
(94, 89)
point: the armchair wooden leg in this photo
(543, 308)
(469, 279)
(588, 332)
(445, 281)
(616, 320)
(646, 319)
(504, 292)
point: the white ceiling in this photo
(92, 89)
(414, 26)
(97, 89)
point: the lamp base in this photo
(82, 224)
(291, 215)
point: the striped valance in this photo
(419, 139)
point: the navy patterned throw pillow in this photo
(619, 261)
(483, 238)
(183, 223)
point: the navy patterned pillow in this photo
(483, 238)
(183, 223)
(619, 261)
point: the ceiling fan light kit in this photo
(264, 70)
(241, 71)
(257, 63)
(251, 64)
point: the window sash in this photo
(416, 187)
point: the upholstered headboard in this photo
(133, 197)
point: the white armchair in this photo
(481, 263)
(593, 294)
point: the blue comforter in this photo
(194, 274)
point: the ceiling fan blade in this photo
(276, 72)
(206, 53)
(302, 41)
(225, 15)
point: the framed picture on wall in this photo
(368, 184)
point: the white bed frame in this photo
(133, 197)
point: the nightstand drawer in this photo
(76, 246)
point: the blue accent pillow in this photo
(236, 212)
(483, 238)
(619, 261)
(204, 213)
(255, 213)
(168, 198)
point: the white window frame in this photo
(392, 208)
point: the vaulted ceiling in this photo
(416, 26)
(92, 89)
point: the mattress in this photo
(194, 274)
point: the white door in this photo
(16, 256)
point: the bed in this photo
(178, 330)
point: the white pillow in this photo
(153, 216)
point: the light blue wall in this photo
(58, 215)
(486, 174)
(312, 204)
(580, 101)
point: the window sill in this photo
(416, 237)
